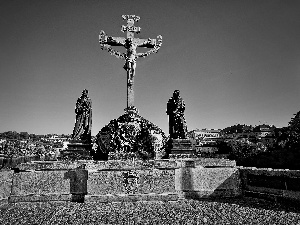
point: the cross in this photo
(131, 44)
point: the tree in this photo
(24, 135)
(223, 147)
(239, 128)
(293, 134)
(242, 149)
(281, 135)
(11, 135)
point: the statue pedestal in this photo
(131, 111)
(130, 136)
(181, 148)
(77, 150)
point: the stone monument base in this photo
(122, 181)
(181, 148)
(130, 136)
(77, 150)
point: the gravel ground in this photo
(238, 211)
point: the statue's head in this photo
(85, 92)
(176, 94)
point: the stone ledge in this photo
(48, 165)
(39, 198)
(132, 197)
(272, 194)
(214, 162)
(270, 172)
(3, 201)
(208, 194)
(264, 190)
(130, 164)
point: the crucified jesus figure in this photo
(131, 44)
(130, 63)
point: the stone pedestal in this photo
(130, 136)
(197, 180)
(78, 150)
(181, 148)
(78, 184)
(132, 111)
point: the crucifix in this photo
(131, 44)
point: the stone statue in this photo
(83, 123)
(131, 44)
(130, 63)
(175, 111)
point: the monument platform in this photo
(118, 180)
(181, 148)
(77, 149)
(130, 136)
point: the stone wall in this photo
(272, 184)
(120, 180)
(131, 182)
(5, 185)
(151, 180)
(117, 180)
(39, 186)
(105, 181)
(196, 179)
(11, 162)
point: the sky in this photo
(234, 61)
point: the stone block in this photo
(143, 197)
(185, 163)
(79, 198)
(40, 182)
(113, 198)
(207, 182)
(164, 164)
(1, 161)
(293, 184)
(6, 164)
(132, 197)
(129, 197)
(77, 150)
(78, 182)
(130, 164)
(181, 148)
(215, 178)
(214, 162)
(104, 182)
(131, 181)
(264, 190)
(6, 177)
(266, 196)
(49, 165)
(180, 144)
(3, 202)
(96, 198)
(169, 197)
(271, 172)
(273, 182)
(180, 155)
(208, 194)
(153, 197)
(39, 198)
(183, 179)
(291, 194)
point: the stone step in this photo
(132, 197)
(39, 198)
(95, 198)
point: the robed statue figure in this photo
(83, 123)
(175, 111)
